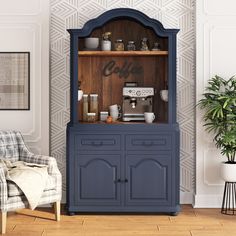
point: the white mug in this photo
(164, 95)
(115, 107)
(115, 111)
(115, 115)
(149, 117)
(80, 94)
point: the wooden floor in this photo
(190, 222)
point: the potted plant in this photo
(219, 104)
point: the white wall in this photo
(215, 50)
(24, 26)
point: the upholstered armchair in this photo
(12, 147)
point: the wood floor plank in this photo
(26, 233)
(212, 233)
(15, 217)
(138, 233)
(190, 222)
(38, 227)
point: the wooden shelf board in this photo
(121, 122)
(123, 53)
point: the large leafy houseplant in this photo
(219, 104)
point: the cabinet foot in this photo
(174, 213)
(71, 213)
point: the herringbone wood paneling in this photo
(173, 14)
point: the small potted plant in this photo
(219, 104)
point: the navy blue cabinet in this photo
(148, 179)
(97, 180)
(123, 166)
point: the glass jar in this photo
(93, 108)
(103, 115)
(119, 45)
(85, 107)
(106, 41)
(131, 46)
(144, 44)
(156, 47)
(91, 117)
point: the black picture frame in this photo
(15, 80)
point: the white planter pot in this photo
(228, 172)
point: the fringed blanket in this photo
(29, 177)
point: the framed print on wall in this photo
(14, 80)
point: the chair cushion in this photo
(14, 190)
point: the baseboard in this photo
(186, 198)
(207, 201)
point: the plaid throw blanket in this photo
(29, 177)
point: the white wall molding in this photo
(212, 31)
(208, 200)
(24, 26)
(32, 131)
(21, 8)
(219, 8)
(215, 54)
(186, 197)
(211, 166)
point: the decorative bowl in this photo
(91, 43)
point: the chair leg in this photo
(4, 222)
(57, 209)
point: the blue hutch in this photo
(123, 166)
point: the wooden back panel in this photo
(128, 30)
(109, 88)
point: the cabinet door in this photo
(148, 179)
(96, 181)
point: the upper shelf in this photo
(123, 53)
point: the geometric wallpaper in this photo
(179, 14)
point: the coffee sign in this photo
(124, 71)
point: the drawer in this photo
(93, 142)
(148, 142)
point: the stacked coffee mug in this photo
(115, 111)
(149, 117)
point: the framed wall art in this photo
(14, 80)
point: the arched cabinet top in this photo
(122, 13)
(158, 67)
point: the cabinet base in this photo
(70, 213)
(173, 211)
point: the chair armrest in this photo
(27, 156)
(42, 160)
(3, 187)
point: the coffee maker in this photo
(136, 101)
